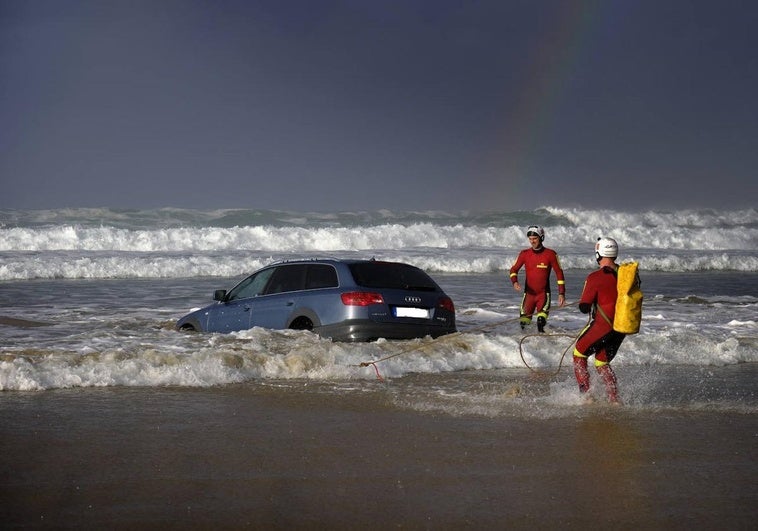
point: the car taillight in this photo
(361, 298)
(446, 303)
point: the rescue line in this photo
(472, 330)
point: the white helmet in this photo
(606, 248)
(536, 230)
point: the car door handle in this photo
(246, 308)
(290, 303)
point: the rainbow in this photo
(529, 113)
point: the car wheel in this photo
(302, 323)
(187, 328)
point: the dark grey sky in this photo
(368, 104)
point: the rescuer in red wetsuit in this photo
(538, 261)
(598, 338)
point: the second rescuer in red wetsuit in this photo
(537, 261)
(599, 338)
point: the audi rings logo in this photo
(414, 300)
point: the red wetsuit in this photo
(598, 338)
(537, 266)
(599, 292)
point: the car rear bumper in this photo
(367, 330)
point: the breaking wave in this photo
(107, 243)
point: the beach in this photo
(302, 456)
(110, 418)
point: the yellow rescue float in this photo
(629, 302)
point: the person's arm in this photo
(587, 300)
(560, 279)
(514, 271)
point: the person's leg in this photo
(527, 309)
(587, 344)
(608, 347)
(544, 305)
(580, 371)
(609, 379)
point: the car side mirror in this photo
(219, 295)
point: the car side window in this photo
(287, 278)
(321, 276)
(252, 286)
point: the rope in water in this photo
(560, 362)
(477, 329)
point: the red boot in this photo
(609, 377)
(581, 373)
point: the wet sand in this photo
(263, 457)
(20, 323)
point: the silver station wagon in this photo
(345, 300)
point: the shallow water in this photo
(419, 452)
(120, 333)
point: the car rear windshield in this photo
(392, 276)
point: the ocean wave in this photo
(548, 216)
(106, 243)
(100, 265)
(384, 236)
(217, 359)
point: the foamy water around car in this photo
(83, 340)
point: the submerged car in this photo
(345, 300)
